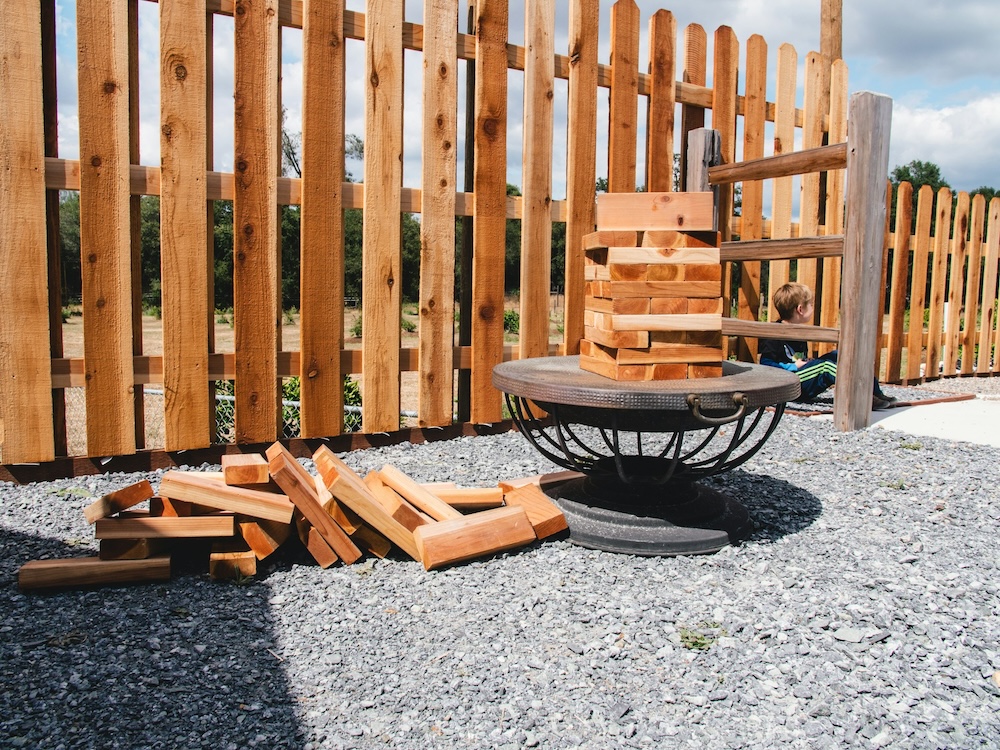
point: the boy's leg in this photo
(817, 375)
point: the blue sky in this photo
(935, 58)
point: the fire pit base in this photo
(677, 518)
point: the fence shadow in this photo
(777, 508)
(150, 665)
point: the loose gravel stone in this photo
(830, 626)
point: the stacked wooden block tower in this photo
(654, 288)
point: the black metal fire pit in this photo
(643, 445)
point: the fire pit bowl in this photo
(642, 446)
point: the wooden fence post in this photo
(870, 117)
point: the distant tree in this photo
(988, 193)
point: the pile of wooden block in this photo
(653, 275)
(256, 504)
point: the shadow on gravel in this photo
(180, 664)
(778, 508)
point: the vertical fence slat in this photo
(536, 218)
(725, 81)
(973, 276)
(135, 217)
(897, 288)
(624, 97)
(784, 143)
(489, 223)
(989, 345)
(50, 107)
(322, 220)
(817, 71)
(830, 313)
(918, 284)
(255, 220)
(26, 432)
(884, 282)
(105, 236)
(437, 220)
(939, 273)
(752, 223)
(209, 44)
(382, 248)
(662, 102)
(867, 164)
(183, 224)
(956, 284)
(581, 144)
(695, 71)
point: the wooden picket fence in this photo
(114, 368)
(941, 275)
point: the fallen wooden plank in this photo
(152, 527)
(470, 499)
(351, 490)
(168, 507)
(231, 560)
(544, 481)
(119, 500)
(132, 549)
(394, 504)
(314, 542)
(417, 495)
(244, 468)
(91, 571)
(300, 487)
(476, 535)
(262, 536)
(190, 486)
(545, 517)
(347, 519)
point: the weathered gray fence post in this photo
(869, 119)
(704, 151)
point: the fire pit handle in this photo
(740, 399)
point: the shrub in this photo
(511, 321)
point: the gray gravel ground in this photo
(863, 612)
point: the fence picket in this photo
(898, 288)
(26, 425)
(989, 339)
(779, 271)
(105, 234)
(939, 274)
(956, 285)
(918, 284)
(321, 289)
(830, 310)
(662, 103)
(184, 225)
(489, 222)
(695, 72)
(816, 83)
(624, 97)
(973, 276)
(536, 221)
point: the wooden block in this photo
(616, 289)
(663, 255)
(91, 571)
(231, 560)
(262, 536)
(712, 272)
(476, 535)
(624, 306)
(417, 495)
(471, 499)
(351, 490)
(543, 481)
(314, 542)
(669, 306)
(394, 504)
(627, 272)
(168, 507)
(245, 468)
(596, 273)
(132, 549)
(155, 527)
(596, 240)
(189, 486)
(653, 355)
(368, 539)
(665, 273)
(432, 486)
(705, 371)
(119, 500)
(543, 514)
(346, 519)
(655, 211)
(700, 338)
(634, 339)
(680, 239)
(300, 487)
(665, 322)
(705, 307)
(633, 372)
